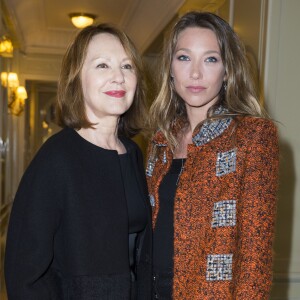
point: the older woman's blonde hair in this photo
(238, 93)
(70, 108)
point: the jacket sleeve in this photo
(31, 233)
(256, 214)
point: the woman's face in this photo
(108, 78)
(197, 68)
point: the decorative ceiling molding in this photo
(148, 23)
(201, 5)
(43, 26)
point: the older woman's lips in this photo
(196, 89)
(116, 94)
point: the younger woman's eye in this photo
(183, 58)
(211, 59)
(102, 66)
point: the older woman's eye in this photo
(211, 59)
(127, 67)
(183, 58)
(102, 66)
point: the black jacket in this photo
(68, 231)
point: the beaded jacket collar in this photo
(203, 133)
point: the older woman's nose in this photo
(118, 76)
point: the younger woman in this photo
(212, 169)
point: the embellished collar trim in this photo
(212, 128)
(204, 133)
(159, 139)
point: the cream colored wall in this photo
(282, 83)
(270, 31)
(29, 67)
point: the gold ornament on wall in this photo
(16, 94)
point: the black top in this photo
(163, 235)
(68, 230)
(137, 214)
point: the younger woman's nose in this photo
(196, 71)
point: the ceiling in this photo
(43, 26)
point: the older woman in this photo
(80, 223)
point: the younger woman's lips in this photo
(196, 89)
(116, 94)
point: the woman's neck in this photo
(184, 138)
(195, 115)
(103, 136)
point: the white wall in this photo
(282, 84)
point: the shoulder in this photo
(60, 139)
(257, 134)
(54, 152)
(65, 140)
(253, 126)
(255, 122)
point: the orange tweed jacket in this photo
(224, 209)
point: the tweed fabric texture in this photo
(224, 211)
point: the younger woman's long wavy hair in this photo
(239, 97)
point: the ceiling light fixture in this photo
(81, 20)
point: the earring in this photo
(225, 85)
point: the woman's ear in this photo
(171, 73)
(225, 78)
